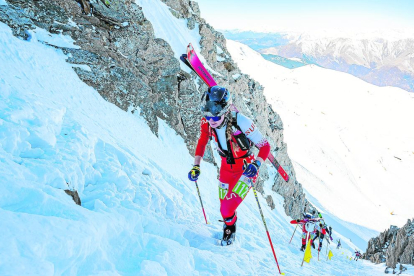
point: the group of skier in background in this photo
(314, 229)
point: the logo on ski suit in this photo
(223, 189)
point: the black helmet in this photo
(217, 102)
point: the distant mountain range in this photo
(378, 60)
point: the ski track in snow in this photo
(139, 215)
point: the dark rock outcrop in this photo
(138, 72)
(75, 196)
(393, 246)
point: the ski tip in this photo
(183, 58)
(282, 273)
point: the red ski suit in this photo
(231, 190)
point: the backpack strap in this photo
(241, 138)
(234, 119)
(221, 151)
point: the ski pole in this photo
(319, 245)
(264, 222)
(293, 233)
(202, 207)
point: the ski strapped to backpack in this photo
(193, 62)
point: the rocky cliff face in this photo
(395, 245)
(136, 71)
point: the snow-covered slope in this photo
(351, 142)
(139, 215)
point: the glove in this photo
(194, 173)
(252, 169)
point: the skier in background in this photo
(233, 135)
(358, 255)
(329, 231)
(320, 232)
(339, 244)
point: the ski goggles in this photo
(215, 118)
(213, 109)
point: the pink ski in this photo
(198, 67)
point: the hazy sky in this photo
(304, 15)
